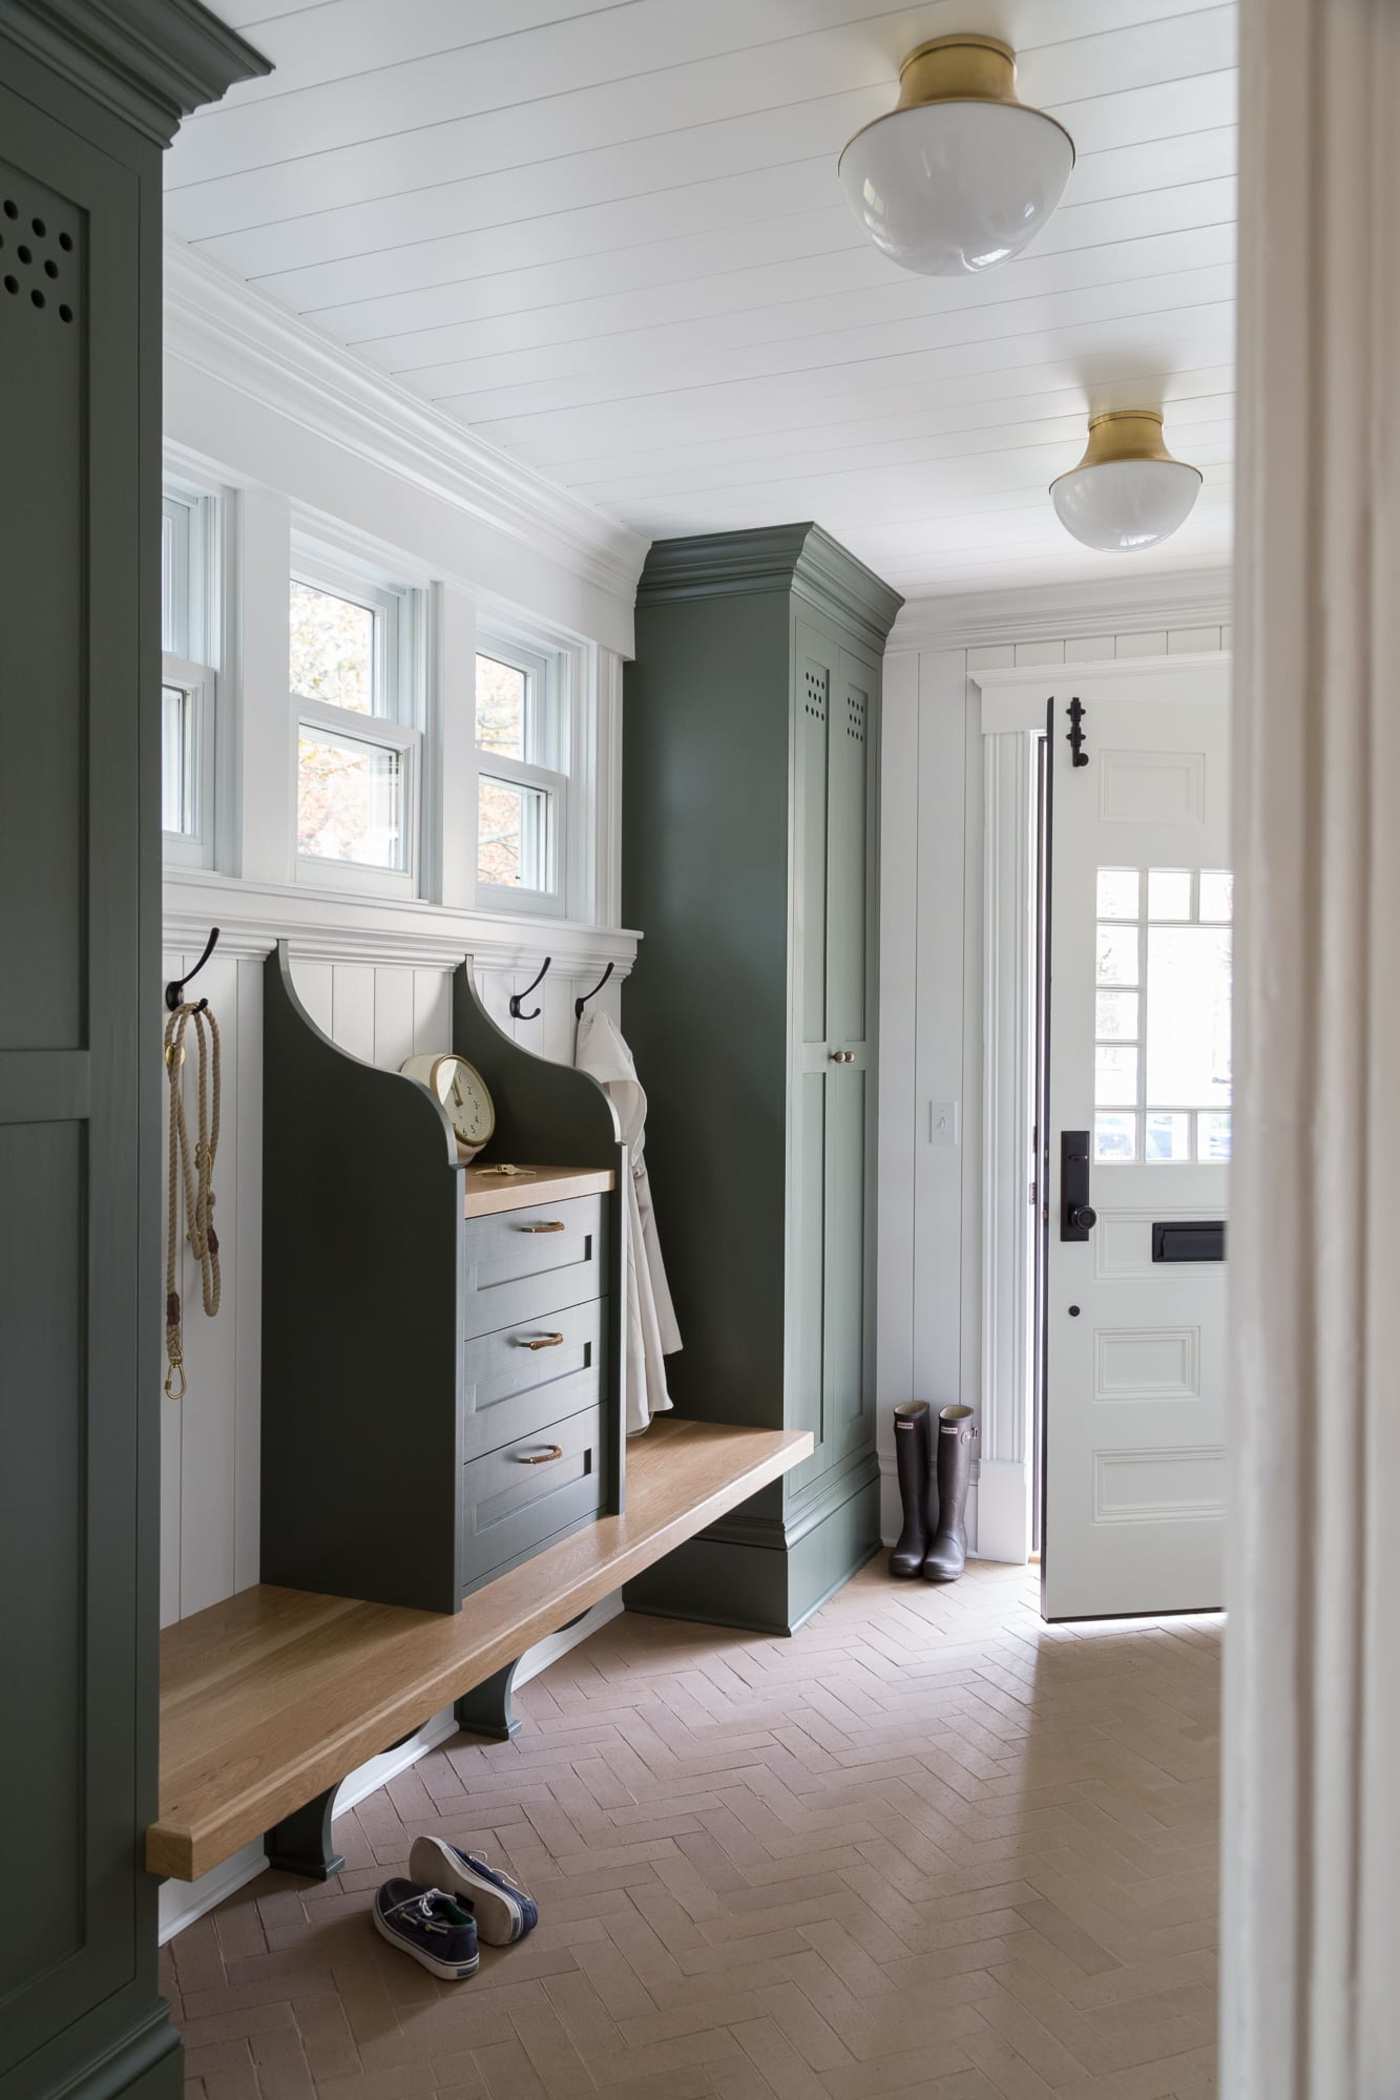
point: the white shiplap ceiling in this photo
(609, 239)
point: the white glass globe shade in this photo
(1125, 505)
(948, 188)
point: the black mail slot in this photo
(1189, 1240)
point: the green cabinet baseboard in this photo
(751, 828)
(89, 94)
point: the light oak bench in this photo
(269, 1699)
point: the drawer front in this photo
(518, 1380)
(511, 1506)
(522, 1263)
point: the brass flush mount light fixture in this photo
(959, 175)
(1127, 492)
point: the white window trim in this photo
(204, 589)
(566, 669)
(402, 647)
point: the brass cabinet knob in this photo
(843, 1057)
(540, 1458)
(538, 1341)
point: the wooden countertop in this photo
(274, 1695)
(488, 1192)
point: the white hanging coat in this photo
(652, 1333)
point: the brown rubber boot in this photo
(911, 1458)
(947, 1555)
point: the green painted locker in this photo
(750, 815)
(88, 96)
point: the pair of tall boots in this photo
(932, 1546)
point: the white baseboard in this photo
(182, 1902)
(1004, 1510)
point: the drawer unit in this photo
(521, 1264)
(534, 1372)
(518, 1498)
(457, 1322)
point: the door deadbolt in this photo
(1077, 1215)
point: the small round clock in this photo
(463, 1094)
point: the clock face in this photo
(462, 1091)
(463, 1094)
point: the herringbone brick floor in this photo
(929, 1847)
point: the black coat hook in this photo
(175, 990)
(1074, 735)
(516, 997)
(579, 1004)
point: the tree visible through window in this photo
(333, 649)
(356, 747)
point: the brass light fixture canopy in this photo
(958, 69)
(960, 175)
(1127, 492)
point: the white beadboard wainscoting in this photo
(377, 977)
(950, 843)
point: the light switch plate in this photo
(943, 1122)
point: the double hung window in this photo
(357, 692)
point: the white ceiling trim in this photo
(1042, 612)
(222, 327)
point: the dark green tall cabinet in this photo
(751, 825)
(89, 94)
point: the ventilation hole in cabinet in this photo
(12, 284)
(65, 242)
(39, 227)
(37, 297)
(65, 313)
(51, 269)
(11, 208)
(23, 253)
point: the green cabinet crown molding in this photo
(150, 62)
(799, 558)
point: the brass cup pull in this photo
(540, 1458)
(843, 1057)
(538, 1341)
(549, 1225)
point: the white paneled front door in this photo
(1139, 1139)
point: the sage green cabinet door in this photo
(814, 672)
(75, 1771)
(846, 1416)
(832, 700)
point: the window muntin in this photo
(1162, 1016)
(189, 552)
(356, 690)
(522, 781)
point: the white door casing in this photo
(1135, 1455)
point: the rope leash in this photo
(191, 1170)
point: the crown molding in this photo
(800, 558)
(1045, 612)
(324, 927)
(221, 327)
(150, 62)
